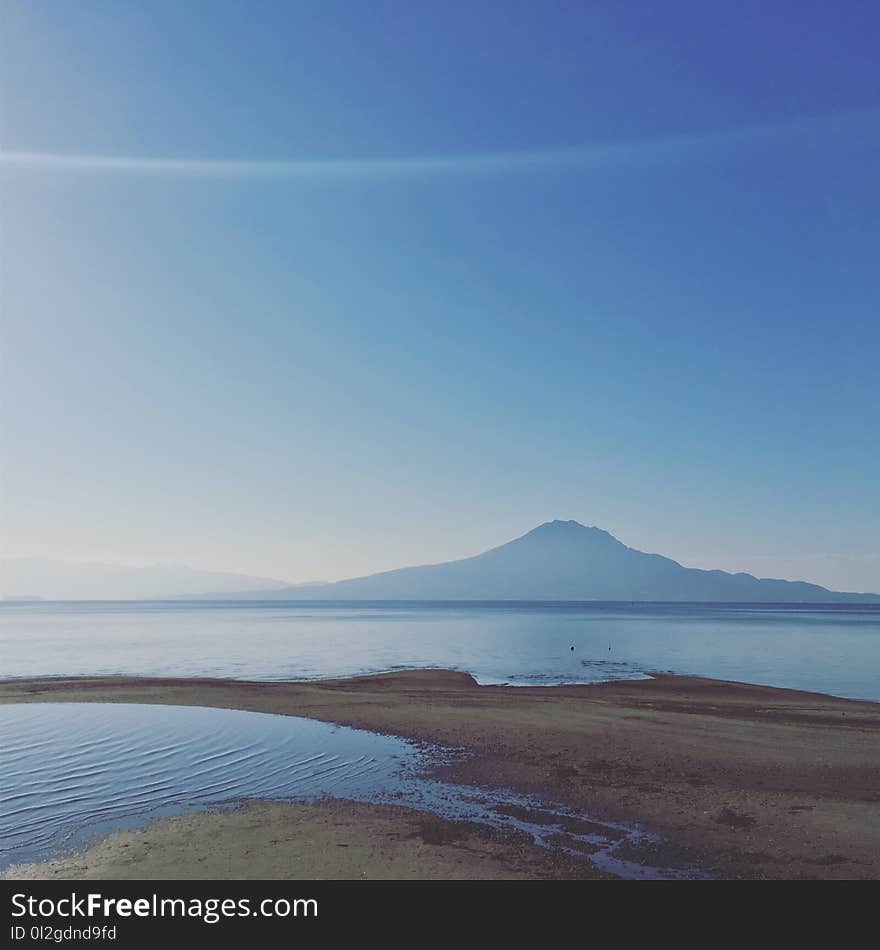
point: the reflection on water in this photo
(832, 649)
(70, 772)
(66, 765)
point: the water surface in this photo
(834, 649)
(71, 772)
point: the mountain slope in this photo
(564, 560)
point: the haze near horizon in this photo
(556, 561)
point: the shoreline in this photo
(331, 839)
(750, 781)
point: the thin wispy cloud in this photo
(853, 127)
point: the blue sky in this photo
(314, 289)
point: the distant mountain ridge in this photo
(42, 578)
(565, 560)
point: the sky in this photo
(314, 289)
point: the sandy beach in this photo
(330, 840)
(742, 781)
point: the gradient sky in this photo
(312, 289)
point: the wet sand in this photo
(330, 840)
(744, 781)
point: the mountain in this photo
(40, 578)
(565, 560)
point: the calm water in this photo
(833, 649)
(72, 772)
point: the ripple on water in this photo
(70, 772)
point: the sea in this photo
(824, 648)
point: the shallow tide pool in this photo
(71, 772)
